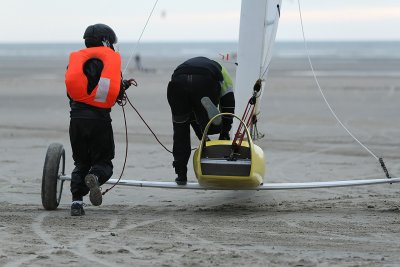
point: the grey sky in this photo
(203, 20)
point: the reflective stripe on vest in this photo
(106, 92)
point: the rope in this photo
(148, 127)
(126, 67)
(248, 115)
(122, 104)
(140, 37)
(380, 160)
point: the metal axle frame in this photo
(54, 177)
(265, 186)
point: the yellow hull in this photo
(213, 169)
(217, 165)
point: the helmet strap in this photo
(106, 43)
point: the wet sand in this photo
(354, 226)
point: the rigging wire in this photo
(127, 100)
(126, 67)
(379, 159)
(122, 103)
(140, 37)
(322, 93)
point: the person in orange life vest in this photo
(94, 84)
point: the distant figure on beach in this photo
(94, 84)
(138, 62)
(196, 88)
(139, 65)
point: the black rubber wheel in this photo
(54, 166)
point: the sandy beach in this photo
(352, 226)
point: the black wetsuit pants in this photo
(184, 94)
(93, 148)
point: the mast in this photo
(257, 32)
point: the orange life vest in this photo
(106, 92)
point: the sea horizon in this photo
(282, 49)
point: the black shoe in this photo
(95, 196)
(77, 209)
(181, 180)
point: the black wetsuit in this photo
(91, 136)
(191, 81)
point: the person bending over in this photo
(197, 87)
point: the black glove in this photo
(224, 136)
(127, 83)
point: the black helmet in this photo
(99, 35)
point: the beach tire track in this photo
(79, 247)
(37, 229)
(205, 242)
(82, 246)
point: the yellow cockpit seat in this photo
(219, 164)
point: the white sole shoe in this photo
(211, 109)
(95, 196)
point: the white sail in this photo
(258, 25)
